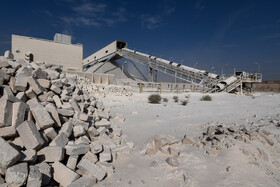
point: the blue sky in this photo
(212, 33)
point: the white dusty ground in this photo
(255, 163)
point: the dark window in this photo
(31, 57)
(106, 51)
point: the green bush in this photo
(154, 98)
(176, 99)
(206, 98)
(184, 102)
(165, 100)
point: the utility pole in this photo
(195, 65)
(223, 69)
(259, 69)
(233, 70)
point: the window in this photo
(106, 51)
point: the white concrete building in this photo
(65, 54)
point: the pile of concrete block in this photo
(103, 90)
(52, 132)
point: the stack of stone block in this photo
(103, 90)
(52, 132)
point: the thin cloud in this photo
(271, 36)
(199, 5)
(90, 8)
(89, 14)
(151, 22)
(80, 21)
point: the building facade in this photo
(67, 55)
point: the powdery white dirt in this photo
(253, 163)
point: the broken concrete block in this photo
(21, 82)
(8, 132)
(14, 64)
(50, 133)
(18, 143)
(90, 156)
(172, 161)
(34, 177)
(107, 140)
(96, 147)
(92, 132)
(63, 175)
(19, 110)
(1, 81)
(4, 75)
(72, 162)
(92, 168)
(74, 104)
(84, 181)
(82, 140)
(57, 101)
(8, 94)
(57, 83)
(4, 64)
(52, 74)
(103, 123)
(30, 93)
(8, 156)
(17, 174)
(117, 132)
(66, 105)
(29, 155)
(21, 96)
(60, 140)
(29, 135)
(102, 114)
(42, 117)
(38, 73)
(77, 122)
(46, 171)
(34, 84)
(51, 154)
(12, 84)
(5, 112)
(66, 112)
(44, 83)
(66, 129)
(79, 131)
(76, 149)
(84, 117)
(105, 155)
(52, 109)
(108, 168)
(56, 89)
(2, 181)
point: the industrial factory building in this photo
(59, 51)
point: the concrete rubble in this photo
(54, 129)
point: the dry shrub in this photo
(165, 100)
(184, 102)
(154, 98)
(206, 98)
(176, 99)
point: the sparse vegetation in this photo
(206, 98)
(176, 99)
(184, 102)
(154, 98)
(165, 100)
